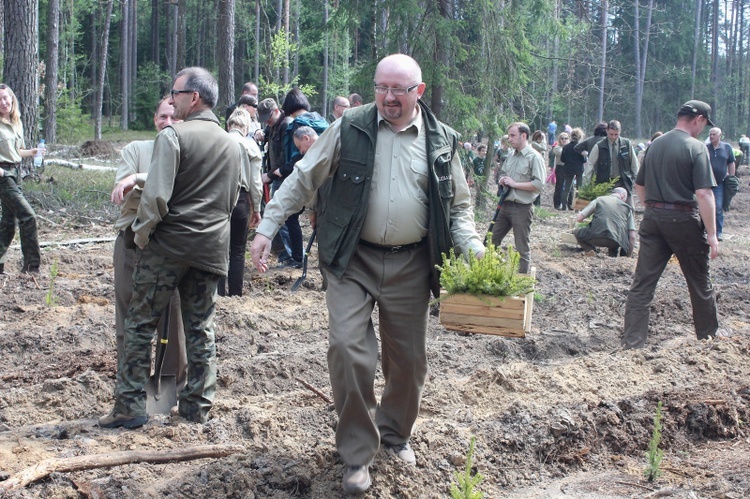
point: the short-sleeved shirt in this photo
(675, 166)
(721, 157)
(11, 140)
(525, 165)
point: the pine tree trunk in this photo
(225, 53)
(20, 61)
(50, 81)
(102, 71)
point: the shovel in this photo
(161, 389)
(301, 279)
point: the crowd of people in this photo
(390, 190)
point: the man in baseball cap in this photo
(696, 108)
(266, 108)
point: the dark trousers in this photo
(295, 235)
(559, 182)
(237, 247)
(664, 233)
(518, 217)
(568, 191)
(15, 207)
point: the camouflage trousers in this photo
(155, 278)
(15, 207)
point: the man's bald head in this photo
(403, 63)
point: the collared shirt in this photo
(11, 140)
(721, 157)
(399, 186)
(388, 227)
(252, 162)
(136, 159)
(525, 165)
(615, 172)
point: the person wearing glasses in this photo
(249, 104)
(129, 181)
(181, 231)
(397, 200)
(675, 183)
(340, 104)
(249, 88)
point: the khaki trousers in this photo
(175, 358)
(399, 284)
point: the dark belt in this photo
(392, 249)
(672, 206)
(8, 165)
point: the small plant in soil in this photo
(465, 488)
(50, 299)
(655, 454)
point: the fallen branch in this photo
(80, 463)
(79, 166)
(73, 242)
(314, 390)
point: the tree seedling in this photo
(465, 488)
(655, 454)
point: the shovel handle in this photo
(161, 348)
(304, 261)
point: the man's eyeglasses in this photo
(174, 92)
(395, 91)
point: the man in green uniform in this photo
(612, 225)
(397, 200)
(522, 173)
(182, 233)
(675, 183)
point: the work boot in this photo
(116, 420)
(356, 479)
(403, 452)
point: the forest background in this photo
(81, 66)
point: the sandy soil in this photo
(558, 413)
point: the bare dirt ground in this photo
(560, 413)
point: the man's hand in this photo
(506, 181)
(313, 219)
(714, 243)
(260, 250)
(122, 189)
(254, 220)
(266, 179)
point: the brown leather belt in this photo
(672, 206)
(392, 249)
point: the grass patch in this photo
(78, 193)
(543, 213)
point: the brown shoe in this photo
(116, 420)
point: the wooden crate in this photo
(580, 204)
(508, 316)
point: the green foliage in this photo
(50, 299)
(281, 45)
(72, 123)
(466, 482)
(496, 274)
(655, 454)
(152, 86)
(592, 190)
